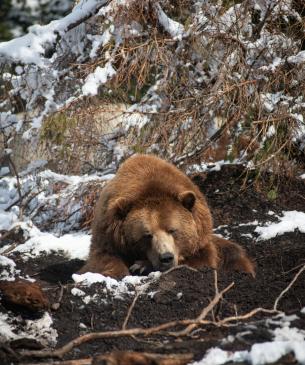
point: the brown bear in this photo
(152, 217)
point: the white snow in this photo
(77, 292)
(270, 100)
(216, 356)
(118, 287)
(210, 166)
(290, 221)
(73, 179)
(174, 28)
(31, 47)
(74, 245)
(40, 329)
(287, 333)
(260, 353)
(100, 40)
(7, 219)
(97, 78)
(298, 58)
(7, 269)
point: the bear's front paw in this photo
(141, 267)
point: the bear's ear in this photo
(187, 198)
(120, 207)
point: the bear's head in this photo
(160, 229)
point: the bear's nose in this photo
(166, 258)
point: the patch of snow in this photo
(4, 171)
(7, 269)
(6, 331)
(298, 58)
(75, 245)
(216, 356)
(210, 166)
(133, 118)
(87, 299)
(271, 131)
(125, 286)
(247, 235)
(30, 48)
(39, 329)
(270, 352)
(287, 333)
(290, 221)
(260, 353)
(270, 100)
(7, 220)
(73, 179)
(253, 223)
(33, 166)
(77, 292)
(100, 40)
(174, 28)
(97, 78)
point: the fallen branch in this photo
(60, 352)
(204, 312)
(87, 361)
(127, 357)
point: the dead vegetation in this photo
(228, 85)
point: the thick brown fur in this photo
(24, 293)
(151, 207)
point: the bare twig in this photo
(204, 312)
(247, 315)
(216, 282)
(17, 201)
(55, 306)
(15, 172)
(130, 310)
(288, 287)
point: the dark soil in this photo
(183, 293)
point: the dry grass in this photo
(210, 87)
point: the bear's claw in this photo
(140, 268)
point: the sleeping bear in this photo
(152, 217)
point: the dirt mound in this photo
(183, 293)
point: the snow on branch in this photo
(30, 47)
(175, 29)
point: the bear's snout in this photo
(167, 261)
(166, 258)
(163, 253)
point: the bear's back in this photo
(149, 175)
